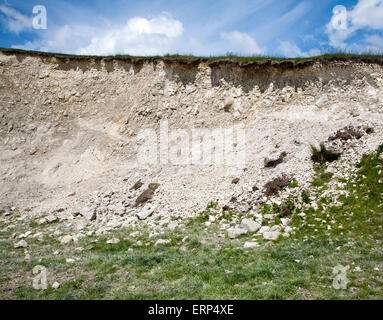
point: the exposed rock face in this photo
(75, 127)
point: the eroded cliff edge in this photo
(69, 128)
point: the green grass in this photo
(322, 177)
(200, 262)
(209, 59)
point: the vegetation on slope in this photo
(200, 262)
(210, 59)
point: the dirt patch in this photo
(144, 197)
(235, 181)
(324, 155)
(273, 163)
(276, 185)
(347, 133)
(286, 210)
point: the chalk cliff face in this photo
(71, 129)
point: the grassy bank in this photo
(209, 59)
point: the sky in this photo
(284, 28)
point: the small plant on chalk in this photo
(323, 155)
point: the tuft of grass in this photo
(370, 130)
(154, 186)
(305, 195)
(293, 184)
(137, 185)
(287, 208)
(322, 177)
(323, 155)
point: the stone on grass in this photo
(275, 228)
(51, 218)
(271, 235)
(41, 221)
(21, 244)
(135, 234)
(25, 235)
(66, 239)
(55, 285)
(161, 241)
(285, 221)
(113, 241)
(288, 229)
(250, 225)
(235, 232)
(264, 229)
(251, 244)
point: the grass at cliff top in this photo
(191, 58)
(207, 265)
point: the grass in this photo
(200, 262)
(322, 177)
(209, 59)
(154, 186)
(137, 185)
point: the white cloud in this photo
(241, 42)
(291, 50)
(139, 36)
(375, 40)
(366, 14)
(374, 44)
(14, 21)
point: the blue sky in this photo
(199, 27)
